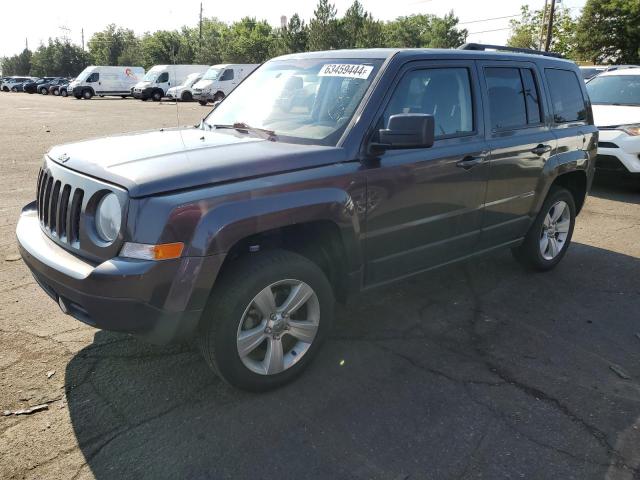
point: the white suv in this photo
(615, 96)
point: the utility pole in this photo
(543, 24)
(26, 43)
(82, 33)
(200, 38)
(547, 43)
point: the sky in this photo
(43, 19)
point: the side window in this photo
(566, 96)
(163, 78)
(227, 75)
(94, 77)
(531, 97)
(507, 107)
(444, 93)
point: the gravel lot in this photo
(477, 371)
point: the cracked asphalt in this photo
(480, 370)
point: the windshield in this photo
(212, 74)
(151, 75)
(84, 74)
(191, 79)
(301, 100)
(615, 90)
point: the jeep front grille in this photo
(59, 207)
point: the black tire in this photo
(123, 96)
(234, 292)
(202, 102)
(186, 96)
(56, 92)
(529, 252)
(14, 89)
(156, 96)
(87, 94)
(44, 91)
(218, 97)
(64, 93)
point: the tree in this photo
(426, 31)
(609, 31)
(247, 41)
(210, 52)
(108, 46)
(358, 29)
(167, 47)
(58, 58)
(293, 37)
(324, 29)
(525, 31)
(19, 64)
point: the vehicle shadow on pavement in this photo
(617, 187)
(480, 370)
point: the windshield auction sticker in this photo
(346, 70)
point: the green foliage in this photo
(525, 31)
(609, 31)
(324, 28)
(17, 64)
(425, 31)
(210, 51)
(294, 37)
(108, 46)
(247, 41)
(58, 58)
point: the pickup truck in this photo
(242, 232)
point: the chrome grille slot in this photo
(59, 207)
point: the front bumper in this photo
(615, 144)
(159, 301)
(142, 93)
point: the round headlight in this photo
(108, 217)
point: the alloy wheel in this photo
(278, 327)
(555, 230)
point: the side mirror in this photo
(408, 130)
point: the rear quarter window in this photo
(566, 96)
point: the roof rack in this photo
(481, 47)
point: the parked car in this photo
(9, 84)
(34, 85)
(241, 232)
(105, 81)
(588, 72)
(44, 88)
(160, 78)
(219, 81)
(60, 87)
(184, 91)
(616, 109)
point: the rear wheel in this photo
(266, 319)
(549, 237)
(202, 102)
(56, 92)
(64, 93)
(14, 89)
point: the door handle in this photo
(471, 161)
(541, 149)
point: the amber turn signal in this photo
(164, 251)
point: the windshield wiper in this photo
(244, 128)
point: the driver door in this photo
(425, 205)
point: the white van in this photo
(105, 81)
(160, 78)
(220, 80)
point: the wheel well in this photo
(318, 241)
(576, 183)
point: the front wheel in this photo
(266, 319)
(44, 91)
(186, 96)
(87, 94)
(549, 237)
(202, 102)
(156, 96)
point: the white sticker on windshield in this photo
(346, 70)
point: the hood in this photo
(614, 115)
(160, 161)
(202, 84)
(142, 84)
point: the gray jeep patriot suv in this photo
(322, 174)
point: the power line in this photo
(487, 31)
(488, 19)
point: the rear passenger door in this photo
(424, 205)
(521, 142)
